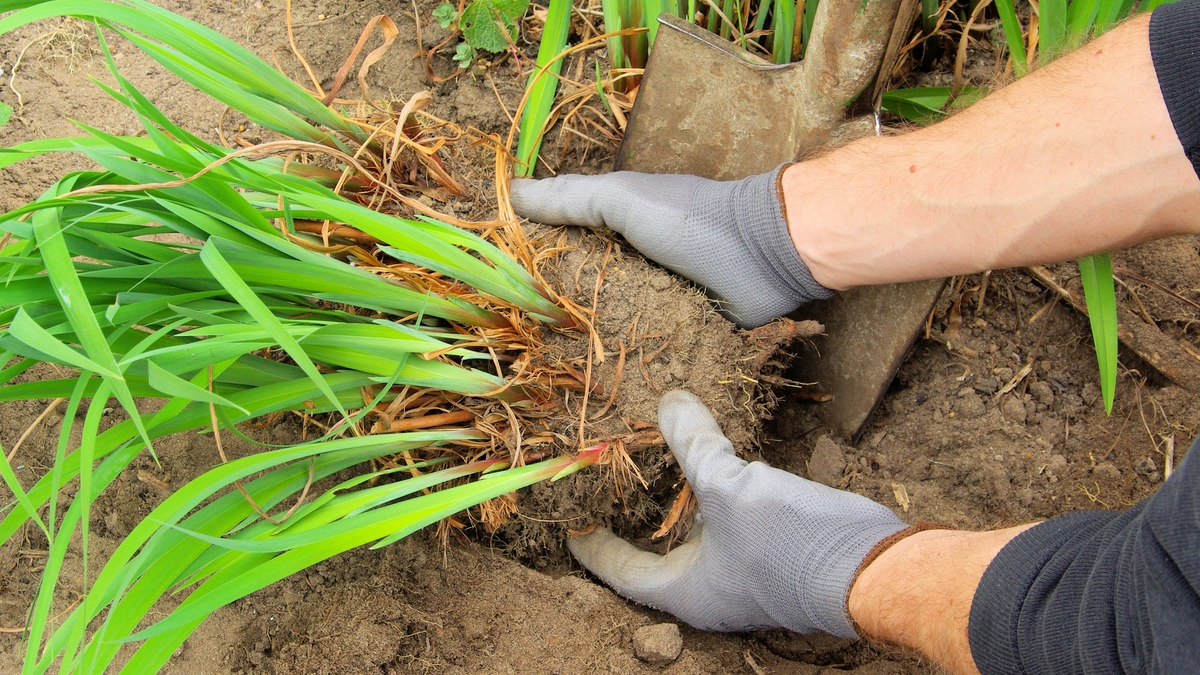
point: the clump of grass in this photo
(777, 30)
(233, 285)
(543, 84)
(926, 105)
(540, 108)
(224, 550)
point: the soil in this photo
(951, 442)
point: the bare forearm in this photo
(1077, 158)
(917, 594)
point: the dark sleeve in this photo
(1098, 591)
(1175, 48)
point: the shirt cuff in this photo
(1175, 49)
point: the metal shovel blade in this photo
(710, 109)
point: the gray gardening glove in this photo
(772, 550)
(730, 237)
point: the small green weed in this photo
(445, 14)
(486, 25)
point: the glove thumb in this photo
(644, 577)
(705, 455)
(563, 200)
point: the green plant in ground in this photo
(6, 112)
(491, 25)
(768, 28)
(1064, 25)
(207, 60)
(929, 16)
(464, 55)
(181, 271)
(542, 86)
(225, 550)
(486, 25)
(445, 14)
(926, 105)
(627, 51)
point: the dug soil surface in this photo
(994, 419)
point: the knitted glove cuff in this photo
(762, 224)
(813, 596)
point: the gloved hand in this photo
(771, 549)
(729, 236)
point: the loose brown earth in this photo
(945, 440)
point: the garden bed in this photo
(948, 444)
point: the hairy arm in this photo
(918, 593)
(1077, 158)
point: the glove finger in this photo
(564, 200)
(641, 576)
(705, 455)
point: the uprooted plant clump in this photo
(657, 333)
(640, 331)
(310, 275)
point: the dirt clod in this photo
(659, 644)
(987, 386)
(1146, 467)
(1042, 392)
(1014, 409)
(969, 405)
(1107, 470)
(828, 462)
